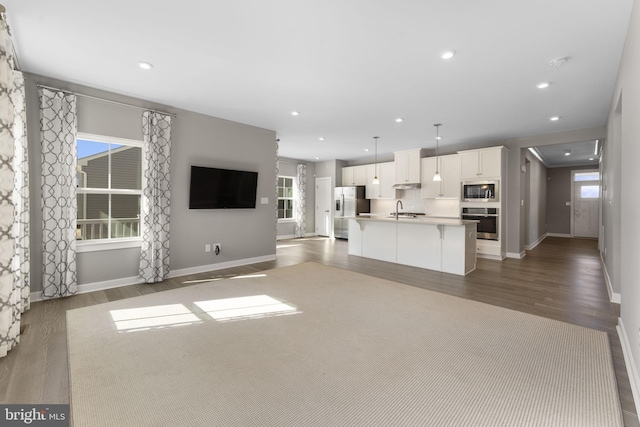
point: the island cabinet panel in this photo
(457, 241)
(379, 240)
(420, 246)
(436, 244)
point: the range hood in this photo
(407, 186)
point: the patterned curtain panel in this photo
(154, 255)
(301, 200)
(276, 183)
(9, 295)
(22, 263)
(58, 127)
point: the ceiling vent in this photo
(558, 61)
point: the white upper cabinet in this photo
(449, 168)
(354, 175)
(386, 173)
(481, 164)
(408, 166)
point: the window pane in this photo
(93, 164)
(125, 215)
(126, 167)
(587, 176)
(590, 191)
(93, 216)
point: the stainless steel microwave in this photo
(480, 191)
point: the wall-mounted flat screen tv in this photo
(213, 188)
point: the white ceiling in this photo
(350, 67)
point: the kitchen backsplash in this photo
(412, 201)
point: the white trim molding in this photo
(559, 235)
(220, 266)
(516, 255)
(614, 297)
(634, 379)
(126, 281)
(95, 286)
(536, 243)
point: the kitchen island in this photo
(441, 244)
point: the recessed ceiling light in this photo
(321, 138)
(399, 120)
(448, 54)
(554, 118)
(317, 158)
(543, 85)
(145, 65)
(590, 158)
(567, 152)
(366, 149)
(294, 113)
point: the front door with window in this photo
(586, 206)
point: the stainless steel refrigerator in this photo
(350, 201)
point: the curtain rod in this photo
(105, 100)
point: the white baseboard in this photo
(614, 297)
(536, 243)
(559, 235)
(220, 265)
(126, 281)
(95, 286)
(285, 237)
(292, 236)
(516, 255)
(634, 379)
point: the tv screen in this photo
(213, 188)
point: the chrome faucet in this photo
(399, 202)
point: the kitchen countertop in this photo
(421, 219)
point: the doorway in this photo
(324, 196)
(585, 218)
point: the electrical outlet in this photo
(207, 248)
(217, 248)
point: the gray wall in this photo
(558, 193)
(289, 167)
(196, 140)
(621, 200)
(536, 198)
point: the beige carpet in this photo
(320, 346)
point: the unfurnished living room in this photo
(319, 213)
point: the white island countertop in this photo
(420, 219)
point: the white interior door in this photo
(586, 207)
(324, 197)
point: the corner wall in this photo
(621, 198)
(196, 139)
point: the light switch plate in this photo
(264, 200)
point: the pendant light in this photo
(376, 181)
(436, 176)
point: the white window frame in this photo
(293, 199)
(121, 242)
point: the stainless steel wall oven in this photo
(489, 223)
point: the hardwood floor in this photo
(560, 279)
